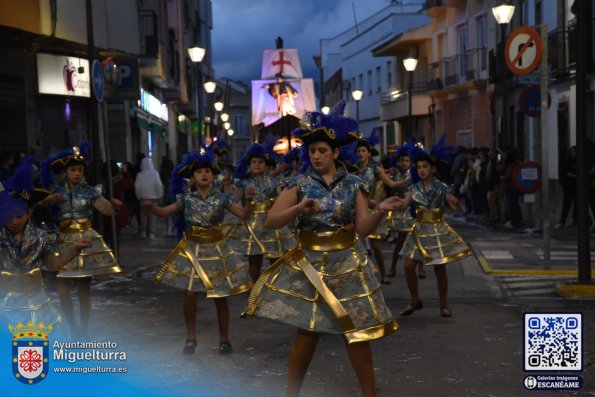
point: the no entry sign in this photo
(526, 177)
(523, 50)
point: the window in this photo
(238, 124)
(462, 31)
(481, 41)
(353, 87)
(361, 82)
(369, 82)
(389, 75)
(538, 12)
(378, 79)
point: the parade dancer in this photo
(24, 250)
(202, 262)
(325, 284)
(367, 170)
(431, 240)
(76, 200)
(400, 222)
(250, 237)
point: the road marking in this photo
(497, 254)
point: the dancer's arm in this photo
(161, 212)
(366, 223)
(286, 209)
(106, 207)
(245, 211)
(55, 261)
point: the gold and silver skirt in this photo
(250, 237)
(96, 260)
(382, 230)
(324, 285)
(400, 221)
(24, 298)
(432, 241)
(203, 262)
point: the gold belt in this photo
(328, 241)
(20, 282)
(428, 216)
(75, 225)
(205, 236)
(261, 207)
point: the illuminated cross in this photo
(281, 61)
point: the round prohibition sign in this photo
(523, 50)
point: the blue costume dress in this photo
(23, 295)
(250, 237)
(76, 213)
(202, 261)
(326, 283)
(368, 175)
(431, 240)
(401, 221)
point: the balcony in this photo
(454, 3)
(466, 71)
(395, 105)
(434, 8)
(435, 83)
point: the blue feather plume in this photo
(374, 138)
(440, 152)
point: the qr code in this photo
(553, 342)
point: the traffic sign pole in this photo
(545, 173)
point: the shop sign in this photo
(152, 105)
(63, 75)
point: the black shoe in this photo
(224, 348)
(385, 280)
(391, 274)
(190, 346)
(410, 308)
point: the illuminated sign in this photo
(152, 105)
(63, 75)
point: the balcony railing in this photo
(464, 68)
(429, 4)
(149, 34)
(399, 93)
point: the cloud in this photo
(242, 29)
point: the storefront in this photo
(151, 121)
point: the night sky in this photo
(242, 29)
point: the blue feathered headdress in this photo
(333, 128)
(219, 146)
(204, 158)
(76, 155)
(440, 152)
(269, 143)
(259, 151)
(370, 142)
(292, 155)
(19, 192)
(403, 150)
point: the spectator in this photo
(511, 193)
(494, 185)
(148, 186)
(568, 182)
(121, 182)
(6, 165)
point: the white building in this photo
(348, 64)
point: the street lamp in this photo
(226, 125)
(325, 110)
(224, 117)
(357, 96)
(503, 14)
(218, 106)
(197, 54)
(410, 64)
(210, 87)
(230, 132)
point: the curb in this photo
(487, 269)
(575, 290)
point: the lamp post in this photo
(410, 64)
(197, 54)
(357, 96)
(218, 106)
(503, 14)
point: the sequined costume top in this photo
(398, 176)
(266, 186)
(22, 258)
(368, 174)
(336, 200)
(204, 212)
(432, 198)
(79, 203)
